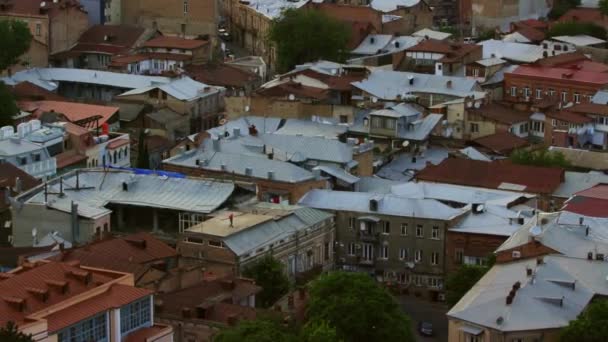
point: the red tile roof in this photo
(562, 74)
(114, 297)
(29, 91)
(175, 43)
(599, 191)
(568, 116)
(44, 277)
(492, 175)
(296, 89)
(109, 38)
(587, 206)
(221, 75)
(73, 111)
(132, 254)
(116, 143)
(500, 113)
(590, 108)
(69, 158)
(334, 82)
(502, 143)
(592, 15)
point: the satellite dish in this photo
(291, 97)
(34, 232)
(477, 105)
(478, 208)
(374, 99)
(224, 121)
(469, 104)
(405, 143)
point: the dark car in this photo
(425, 328)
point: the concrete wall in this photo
(66, 27)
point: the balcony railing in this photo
(366, 237)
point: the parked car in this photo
(425, 328)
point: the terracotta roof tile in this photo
(500, 113)
(587, 206)
(117, 36)
(73, 111)
(502, 143)
(493, 174)
(593, 15)
(568, 116)
(599, 191)
(175, 43)
(562, 74)
(29, 91)
(590, 108)
(221, 75)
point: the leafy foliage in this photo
(263, 329)
(540, 158)
(306, 36)
(10, 333)
(460, 282)
(603, 5)
(560, 7)
(15, 39)
(8, 107)
(358, 308)
(268, 273)
(590, 326)
(575, 28)
(319, 332)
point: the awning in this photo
(369, 218)
(469, 329)
(338, 173)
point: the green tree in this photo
(461, 281)
(573, 28)
(319, 332)
(10, 333)
(590, 326)
(268, 273)
(358, 308)
(8, 107)
(265, 329)
(560, 7)
(302, 36)
(143, 157)
(603, 4)
(541, 157)
(15, 39)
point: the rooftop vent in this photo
(271, 175)
(248, 171)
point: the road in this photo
(421, 310)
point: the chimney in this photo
(248, 171)
(509, 299)
(271, 175)
(215, 144)
(528, 271)
(223, 167)
(581, 220)
(373, 204)
(236, 132)
(587, 231)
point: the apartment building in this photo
(396, 239)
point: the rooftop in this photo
(108, 38)
(494, 175)
(73, 111)
(312, 129)
(185, 89)
(562, 74)
(391, 5)
(501, 143)
(578, 181)
(517, 52)
(428, 33)
(451, 51)
(273, 8)
(175, 43)
(584, 158)
(224, 75)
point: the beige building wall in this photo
(455, 334)
(66, 27)
(38, 54)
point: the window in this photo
(22, 160)
(351, 249)
(434, 258)
(326, 251)
(419, 231)
(38, 29)
(404, 229)
(472, 260)
(93, 329)
(351, 223)
(472, 338)
(418, 256)
(343, 119)
(383, 252)
(404, 278)
(36, 157)
(218, 244)
(376, 122)
(190, 239)
(474, 128)
(513, 91)
(564, 96)
(186, 7)
(539, 93)
(551, 92)
(476, 72)
(435, 233)
(403, 254)
(386, 228)
(526, 91)
(389, 123)
(105, 227)
(459, 255)
(577, 98)
(135, 315)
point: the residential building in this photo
(576, 182)
(495, 118)
(237, 81)
(527, 31)
(542, 181)
(581, 126)
(95, 10)
(164, 55)
(584, 15)
(55, 301)
(490, 14)
(14, 181)
(590, 202)
(541, 297)
(83, 114)
(437, 57)
(112, 12)
(31, 157)
(500, 144)
(55, 26)
(414, 15)
(301, 238)
(198, 312)
(83, 204)
(197, 102)
(381, 49)
(395, 239)
(187, 19)
(384, 85)
(99, 44)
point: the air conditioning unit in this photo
(516, 254)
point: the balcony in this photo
(42, 169)
(367, 237)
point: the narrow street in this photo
(421, 310)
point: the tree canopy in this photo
(560, 7)
(590, 326)
(302, 36)
(268, 273)
(15, 39)
(358, 308)
(542, 157)
(265, 329)
(573, 28)
(460, 282)
(10, 333)
(8, 107)
(603, 5)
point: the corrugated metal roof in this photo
(578, 181)
(312, 129)
(579, 40)
(372, 44)
(338, 173)
(387, 204)
(185, 89)
(425, 32)
(183, 194)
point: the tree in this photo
(10, 333)
(461, 281)
(265, 329)
(268, 273)
(358, 308)
(560, 7)
(319, 332)
(573, 28)
(603, 4)
(590, 326)
(8, 107)
(15, 39)
(304, 36)
(143, 157)
(541, 157)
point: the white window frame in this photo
(383, 253)
(419, 231)
(539, 93)
(404, 229)
(418, 256)
(435, 258)
(403, 254)
(435, 233)
(513, 91)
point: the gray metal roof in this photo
(375, 184)
(421, 129)
(262, 124)
(390, 85)
(183, 194)
(456, 193)
(16, 146)
(519, 52)
(166, 115)
(372, 44)
(269, 232)
(338, 173)
(579, 181)
(314, 148)
(312, 129)
(544, 301)
(601, 97)
(387, 204)
(493, 220)
(184, 89)
(473, 153)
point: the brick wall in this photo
(530, 250)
